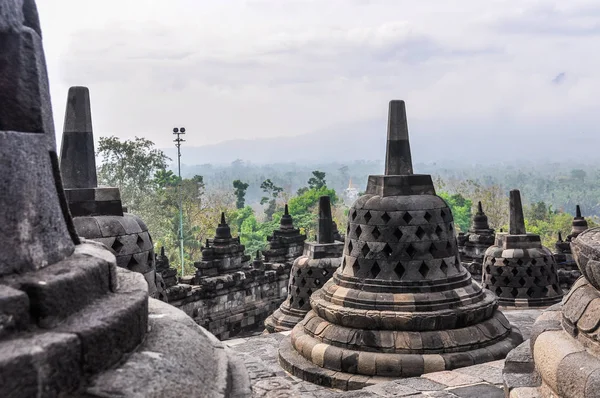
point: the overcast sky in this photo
(228, 69)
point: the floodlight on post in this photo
(179, 131)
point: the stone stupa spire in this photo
(77, 157)
(517, 221)
(325, 230)
(398, 159)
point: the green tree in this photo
(240, 193)
(273, 192)
(317, 181)
(461, 209)
(130, 165)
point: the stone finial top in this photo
(398, 160)
(223, 230)
(325, 229)
(162, 251)
(286, 221)
(77, 157)
(517, 221)
(578, 225)
(480, 220)
(560, 239)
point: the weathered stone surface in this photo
(286, 244)
(167, 364)
(518, 269)
(78, 159)
(309, 273)
(401, 304)
(475, 242)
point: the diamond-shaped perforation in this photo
(353, 215)
(514, 292)
(291, 300)
(498, 291)
(457, 263)
(309, 292)
(365, 250)
(350, 247)
(309, 272)
(324, 272)
(493, 260)
(545, 290)
(355, 268)
(488, 270)
(505, 261)
(533, 261)
(520, 262)
(317, 282)
(514, 271)
(493, 280)
(500, 270)
(386, 217)
(522, 281)
(424, 269)
(545, 259)
(420, 233)
(387, 250)
(398, 234)
(117, 245)
(358, 231)
(368, 216)
(140, 242)
(399, 270)
(407, 217)
(298, 291)
(298, 272)
(132, 263)
(410, 250)
(439, 231)
(375, 270)
(529, 271)
(427, 216)
(444, 267)
(348, 229)
(530, 292)
(443, 214)
(301, 302)
(506, 280)
(376, 234)
(450, 228)
(303, 282)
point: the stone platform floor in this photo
(269, 380)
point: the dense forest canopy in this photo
(253, 196)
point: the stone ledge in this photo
(177, 359)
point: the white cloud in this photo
(238, 69)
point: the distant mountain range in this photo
(496, 142)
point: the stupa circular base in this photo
(283, 319)
(518, 303)
(359, 369)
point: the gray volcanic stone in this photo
(35, 236)
(77, 149)
(401, 304)
(475, 242)
(309, 273)
(517, 268)
(173, 362)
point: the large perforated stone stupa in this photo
(401, 304)
(309, 272)
(518, 269)
(72, 323)
(97, 211)
(475, 242)
(562, 358)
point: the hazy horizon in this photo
(471, 72)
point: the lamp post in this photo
(178, 141)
